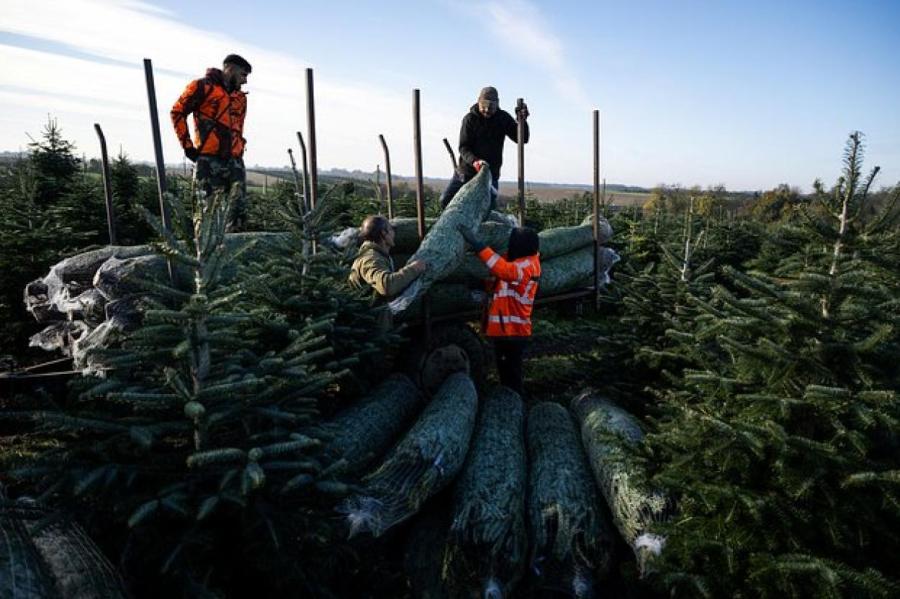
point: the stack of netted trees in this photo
(47, 555)
(524, 494)
(89, 300)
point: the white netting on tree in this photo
(610, 436)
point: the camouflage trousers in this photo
(224, 175)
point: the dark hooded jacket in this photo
(482, 139)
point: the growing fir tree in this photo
(199, 448)
(781, 445)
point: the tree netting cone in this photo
(49, 555)
(365, 430)
(610, 436)
(425, 552)
(562, 240)
(90, 299)
(426, 460)
(572, 542)
(443, 247)
(488, 539)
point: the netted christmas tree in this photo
(781, 446)
(196, 454)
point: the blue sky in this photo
(746, 94)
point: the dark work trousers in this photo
(510, 352)
(224, 175)
(456, 182)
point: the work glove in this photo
(478, 164)
(474, 242)
(192, 153)
(522, 111)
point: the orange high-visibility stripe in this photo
(513, 293)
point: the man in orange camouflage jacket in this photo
(219, 107)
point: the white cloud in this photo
(521, 27)
(349, 116)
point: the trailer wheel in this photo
(452, 348)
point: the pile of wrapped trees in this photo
(90, 299)
(45, 555)
(528, 493)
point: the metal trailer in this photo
(449, 343)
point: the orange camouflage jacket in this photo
(218, 117)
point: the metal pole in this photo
(387, 169)
(305, 172)
(520, 137)
(107, 187)
(301, 201)
(160, 163)
(603, 198)
(596, 217)
(452, 155)
(420, 188)
(157, 145)
(311, 127)
(420, 202)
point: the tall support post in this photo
(311, 131)
(387, 170)
(107, 187)
(520, 136)
(158, 154)
(305, 179)
(313, 163)
(420, 186)
(157, 145)
(420, 201)
(596, 219)
(450, 151)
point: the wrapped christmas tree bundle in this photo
(563, 240)
(365, 430)
(605, 231)
(443, 247)
(406, 233)
(610, 435)
(425, 551)
(567, 272)
(446, 298)
(425, 461)
(68, 564)
(495, 234)
(22, 573)
(488, 538)
(572, 542)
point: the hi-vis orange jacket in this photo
(218, 117)
(513, 294)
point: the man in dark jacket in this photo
(219, 107)
(481, 137)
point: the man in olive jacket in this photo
(484, 129)
(373, 266)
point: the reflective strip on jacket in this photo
(512, 299)
(218, 117)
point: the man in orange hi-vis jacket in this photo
(219, 107)
(515, 284)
